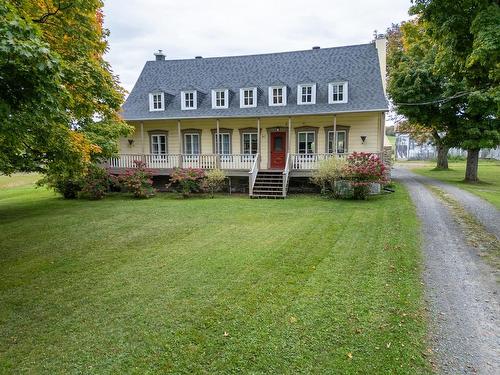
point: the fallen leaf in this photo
(225, 334)
(388, 345)
(293, 319)
(349, 355)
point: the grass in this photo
(224, 285)
(18, 180)
(489, 176)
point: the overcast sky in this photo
(187, 28)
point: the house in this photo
(266, 118)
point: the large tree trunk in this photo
(471, 169)
(442, 157)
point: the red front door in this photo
(278, 150)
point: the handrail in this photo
(253, 173)
(286, 174)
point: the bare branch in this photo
(49, 12)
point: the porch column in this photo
(142, 138)
(179, 135)
(289, 134)
(258, 135)
(334, 134)
(217, 145)
(382, 131)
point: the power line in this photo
(437, 101)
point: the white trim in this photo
(336, 140)
(226, 99)
(345, 92)
(243, 142)
(283, 96)
(259, 115)
(151, 101)
(299, 93)
(198, 135)
(183, 100)
(314, 142)
(158, 136)
(242, 97)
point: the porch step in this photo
(268, 184)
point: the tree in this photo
(54, 82)
(414, 85)
(467, 38)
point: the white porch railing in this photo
(253, 173)
(169, 161)
(286, 174)
(312, 161)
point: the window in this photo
(220, 98)
(306, 142)
(341, 142)
(337, 92)
(188, 100)
(192, 143)
(156, 101)
(306, 94)
(277, 95)
(250, 143)
(248, 97)
(158, 144)
(223, 143)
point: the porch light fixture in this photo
(363, 139)
(130, 142)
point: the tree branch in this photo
(50, 12)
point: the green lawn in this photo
(489, 176)
(224, 285)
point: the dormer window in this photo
(306, 94)
(156, 101)
(220, 99)
(248, 97)
(188, 100)
(277, 95)
(337, 92)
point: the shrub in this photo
(328, 174)
(362, 170)
(214, 181)
(189, 180)
(96, 183)
(139, 181)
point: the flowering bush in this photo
(214, 181)
(139, 181)
(96, 183)
(328, 174)
(188, 179)
(362, 170)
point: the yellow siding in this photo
(361, 124)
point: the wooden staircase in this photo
(269, 184)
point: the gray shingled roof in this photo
(357, 65)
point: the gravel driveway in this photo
(461, 291)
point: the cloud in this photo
(184, 29)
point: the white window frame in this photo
(253, 90)
(183, 100)
(337, 145)
(313, 151)
(251, 135)
(220, 145)
(152, 140)
(345, 92)
(191, 135)
(283, 96)
(313, 93)
(152, 101)
(225, 92)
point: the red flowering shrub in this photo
(362, 170)
(189, 180)
(95, 183)
(139, 180)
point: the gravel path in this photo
(485, 212)
(461, 292)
